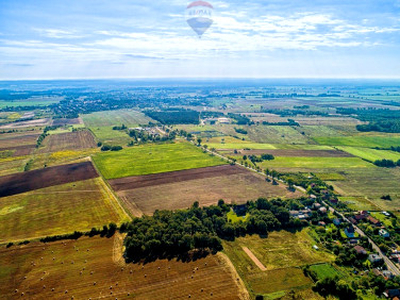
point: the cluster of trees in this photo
(240, 119)
(241, 130)
(336, 287)
(387, 163)
(168, 117)
(254, 158)
(111, 148)
(122, 127)
(390, 126)
(174, 233)
(290, 122)
(294, 112)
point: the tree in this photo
(199, 140)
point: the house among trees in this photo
(384, 233)
(352, 221)
(323, 210)
(349, 231)
(374, 258)
(374, 221)
(360, 250)
(392, 293)
(337, 222)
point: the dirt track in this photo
(37, 179)
(135, 182)
(254, 259)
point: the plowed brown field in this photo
(37, 179)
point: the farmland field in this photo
(317, 162)
(12, 165)
(372, 154)
(16, 140)
(281, 253)
(108, 136)
(372, 183)
(325, 270)
(234, 188)
(33, 180)
(58, 210)
(24, 124)
(297, 153)
(359, 203)
(360, 141)
(152, 159)
(69, 141)
(94, 268)
(111, 118)
(276, 135)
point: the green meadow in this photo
(152, 159)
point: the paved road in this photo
(391, 266)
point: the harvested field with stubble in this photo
(94, 268)
(59, 209)
(8, 141)
(238, 187)
(37, 179)
(69, 141)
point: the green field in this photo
(232, 217)
(316, 162)
(110, 137)
(153, 158)
(276, 135)
(359, 203)
(58, 210)
(116, 117)
(330, 176)
(360, 141)
(372, 183)
(29, 102)
(372, 154)
(282, 253)
(325, 270)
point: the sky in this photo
(87, 39)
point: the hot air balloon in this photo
(199, 16)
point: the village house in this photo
(349, 231)
(384, 233)
(374, 258)
(360, 250)
(392, 293)
(374, 221)
(337, 222)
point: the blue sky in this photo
(43, 39)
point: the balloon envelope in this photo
(199, 16)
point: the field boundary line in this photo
(111, 191)
(244, 293)
(254, 259)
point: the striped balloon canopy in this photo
(199, 16)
